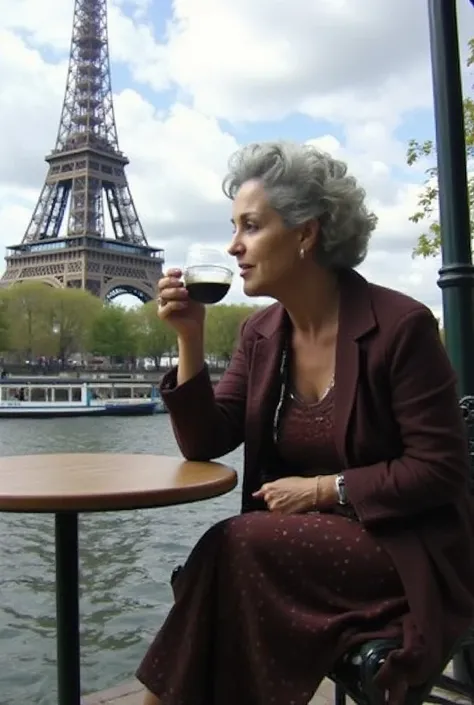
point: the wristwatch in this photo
(341, 489)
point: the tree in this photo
(5, 333)
(112, 333)
(222, 328)
(429, 243)
(49, 322)
(73, 314)
(29, 314)
(155, 339)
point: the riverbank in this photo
(153, 377)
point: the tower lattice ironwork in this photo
(87, 171)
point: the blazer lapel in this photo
(264, 383)
(346, 377)
(356, 319)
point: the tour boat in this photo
(40, 399)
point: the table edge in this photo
(52, 504)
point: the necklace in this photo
(298, 399)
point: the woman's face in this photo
(267, 252)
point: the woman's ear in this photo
(309, 233)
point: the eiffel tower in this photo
(86, 165)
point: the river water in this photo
(125, 561)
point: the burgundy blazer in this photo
(400, 437)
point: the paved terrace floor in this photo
(132, 694)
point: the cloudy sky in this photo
(193, 79)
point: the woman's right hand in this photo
(176, 308)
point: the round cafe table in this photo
(66, 484)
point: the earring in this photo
(302, 253)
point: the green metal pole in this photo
(456, 276)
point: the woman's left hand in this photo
(291, 495)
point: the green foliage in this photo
(429, 242)
(29, 316)
(222, 328)
(37, 320)
(154, 337)
(4, 322)
(73, 314)
(114, 333)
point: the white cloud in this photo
(132, 42)
(334, 59)
(30, 104)
(259, 60)
(176, 165)
(46, 23)
(246, 62)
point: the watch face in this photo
(341, 489)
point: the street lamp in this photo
(456, 276)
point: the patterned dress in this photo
(266, 603)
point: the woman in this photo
(356, 516)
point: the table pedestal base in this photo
(70, 483)
(67, 608)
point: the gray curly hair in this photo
(303, 184)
